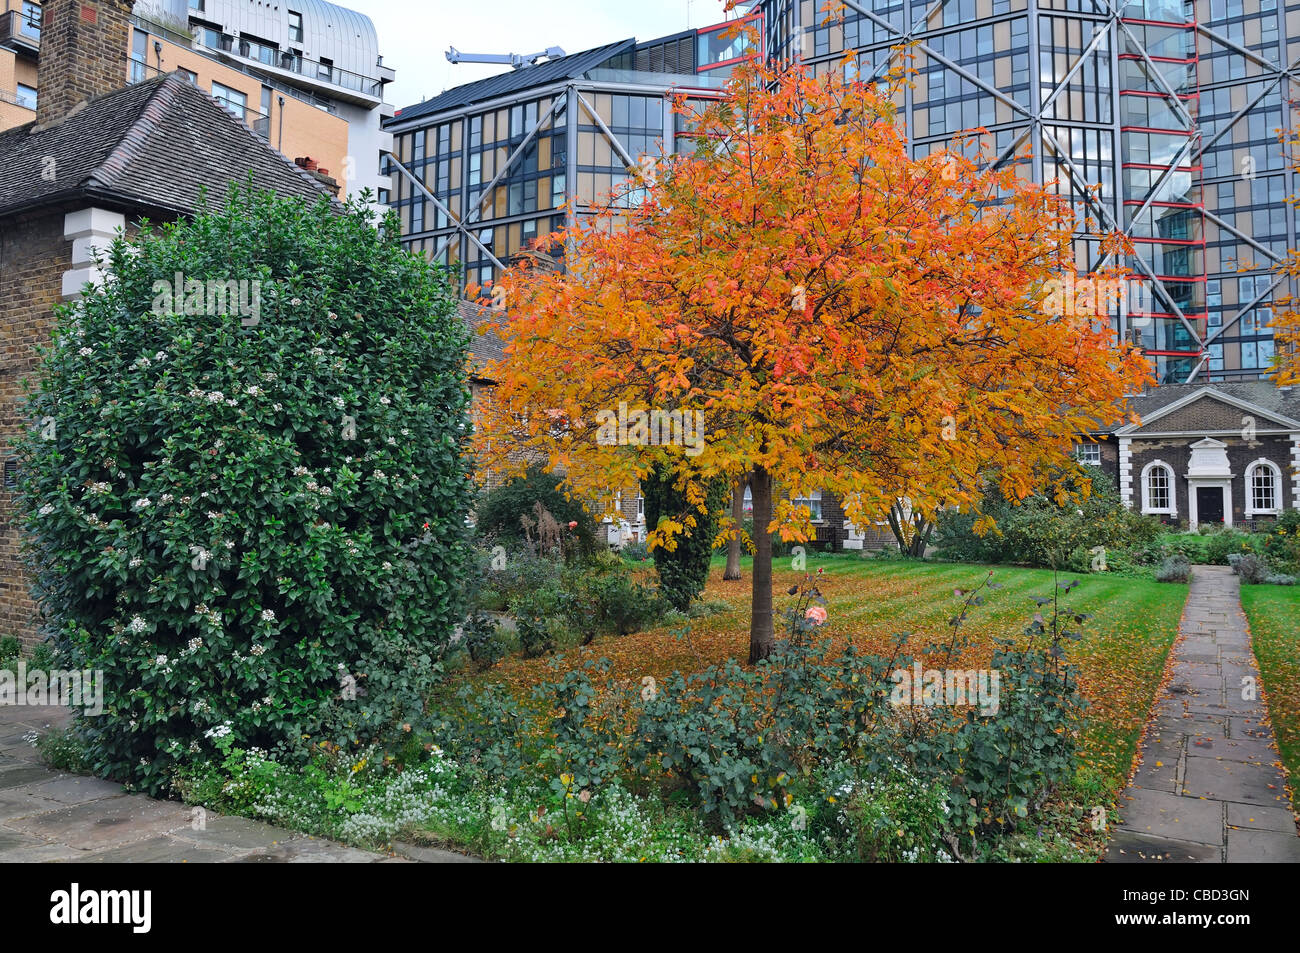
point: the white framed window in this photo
(1089, 453)
(1158, 488)
(814, 503)
(1263, 488)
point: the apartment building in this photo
(305, 75)
(1159, 119)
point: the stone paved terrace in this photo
(48, 816)
(1210, 788)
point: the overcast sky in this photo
(414, 34)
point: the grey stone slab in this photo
(1159, 767)
(76, 789)
(1259, 817)
(1240, 781)
(158, 850)
(25, 775)
(12, 840)
(233, 833)
(42, 854)
(1263, 847)
(305, 850)
(106, 823)
(18, 802)
(1233, 749)
(1126, 847)
(1160, 814)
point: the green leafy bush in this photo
(1040, 531)
(10, 650)
(501, 511)
(239, 521)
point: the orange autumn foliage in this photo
(843, 317)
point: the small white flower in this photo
(385, 401)
(338, 402)
(257, 651)
(295, 301)
(47, 509)
(277, 407)
(136, 562)
(166, 498)
(161, 356)
(216, 397)
(268, 615)
(254, 391)
(85, 352)
(143, 503)
(317, 352)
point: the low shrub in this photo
(1174, 569)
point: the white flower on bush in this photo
(143, 503)
(216, 397)
(161, 660)
(137, 625)
(317, 352)
(268, 615)
(161, 356)
(85, 352)
(136, 562)
(385, 401)
(338, 402)
(166, 498)
(253, 391)
(195, 644)
(98, 489)
(47, 509)
(221, 731)
(379, 475)
(277, 407)
(258, 650)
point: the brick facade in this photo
(87, 43)
(35, 255)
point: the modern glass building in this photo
(483, 169)
(1158, 118)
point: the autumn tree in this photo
(841, 316)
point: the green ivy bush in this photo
(684, 568)
(237, 522)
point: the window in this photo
(295, 27)
(1263, 484)
(139, 56)
(208, 36)
(325, 70)
(191, 78)
(30, 24)
(1157, 488)
(236, 103)
(26, 96)
(197, 5)
(814, 503)
(1089, 453)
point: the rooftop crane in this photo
(514, 60)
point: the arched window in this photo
(1158, 488)
(1263, 488)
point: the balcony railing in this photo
(19, 29)
(303, 66)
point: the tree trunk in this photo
(762, 638)
(738, 517)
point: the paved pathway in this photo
(1209, 788)
(52, 817)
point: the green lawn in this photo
(1120, 658)
(1274, 614)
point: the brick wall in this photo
(84, 46)
(1176, 451)
(33, 257)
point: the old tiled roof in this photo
(528, 77)
(153, 146)
(1263, 394)
(484, 345)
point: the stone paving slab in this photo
(47, 816)
(1209, 787)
